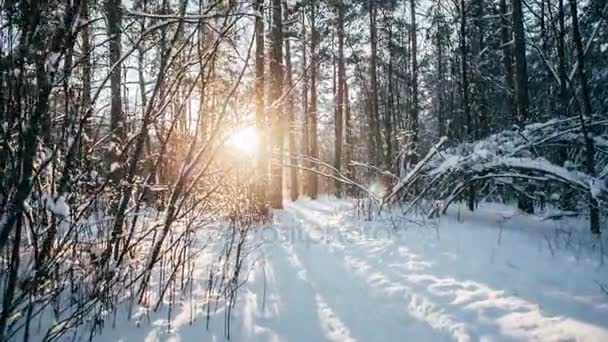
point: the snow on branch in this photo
(527, 154)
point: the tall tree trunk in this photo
(374, 117)
(413, 158)
(521, 69)
(594, 216)
(260, 115)
(388, 98)
(480, 120)
(464, 69)
(12, 279)
(293, 160)
(507, 58)
(566, 201)
(521, 86)
(85, 104)
(348, 130)
(276, 92)
(561, 54)
(113, 10)
(466, 108)
(313, 181)
(86, 63)
(340, 102)
(440, 50)
(305, 114)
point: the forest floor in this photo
(322, 274)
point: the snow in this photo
(58, 206)
(324, 275)
(52, 61)
(377, 189)
(596, 188)
(115, 166)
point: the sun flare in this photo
(244, 140)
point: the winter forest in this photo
(303, 170)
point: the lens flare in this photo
(244, 140)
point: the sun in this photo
(244, 140)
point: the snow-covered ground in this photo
(321, 274)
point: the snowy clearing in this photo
(323, 275)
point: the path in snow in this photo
(323, 275)
(328, 277)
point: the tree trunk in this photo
(521, 86)
(113, 9)
(507, 58)
(313, 181)
(521, 69)
(388, 98)
(561, 54)
(480, 120)
(440, 50)
(594, 216)
(293, 160)
(348, 130)
(566, 201)
(276, 92)
(375, 139)
(86, 64)
(464, 69)
(305, 114)
(340, 102)
(413, 158)
(466, 109)
(260, 116)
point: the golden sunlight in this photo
(244, 140)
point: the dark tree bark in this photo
(521, 86)
(566, 201)
(60, 41)
(506, 37)
(440, 65)
(594, 215)
(521, 68)
(480, 118)
(387, 117)
(466, 108)
(561, 54)
(375, 140)
(86, 63)
(414, 118)
(113, 9)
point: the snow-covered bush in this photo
(543, 161)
